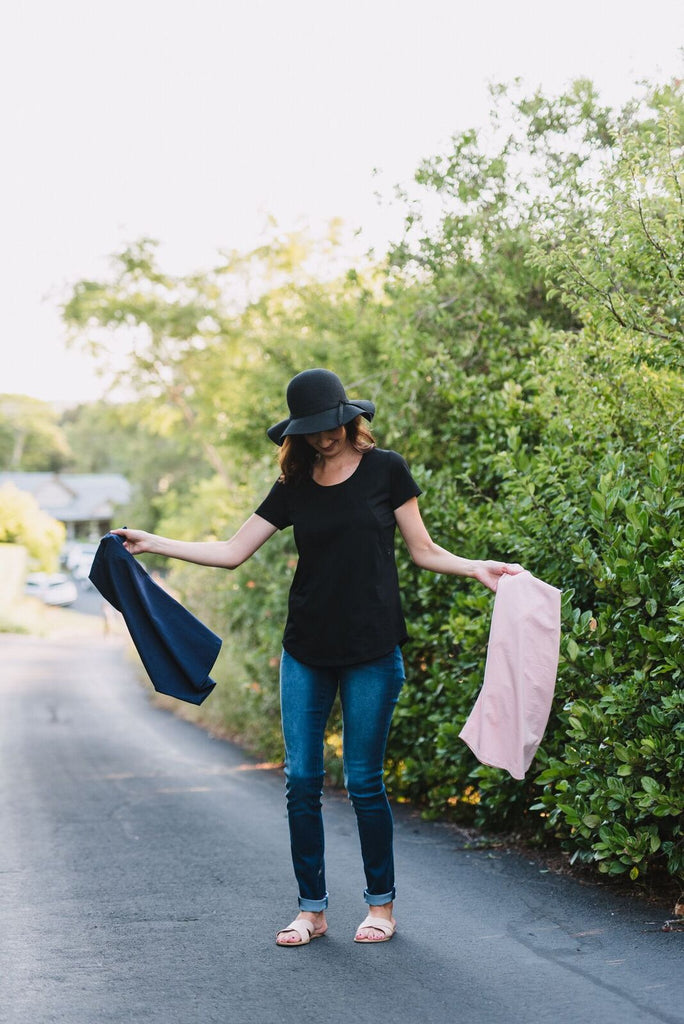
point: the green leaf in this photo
(572, 649)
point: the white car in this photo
(80, 558)
(81, 570)
(52, 589)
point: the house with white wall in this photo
(84, 502)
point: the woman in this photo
(344, 499)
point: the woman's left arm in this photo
(428, 555)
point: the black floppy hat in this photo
(317, 401)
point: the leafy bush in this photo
(613, 786)
(23, 522)
(560, 449)
(524, 349)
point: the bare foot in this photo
(370, 934)
(290, 937)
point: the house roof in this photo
(73, 497)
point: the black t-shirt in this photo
(344, 605)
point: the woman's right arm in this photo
(224, 554)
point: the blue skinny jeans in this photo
(368, 694)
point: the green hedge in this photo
(525, 353)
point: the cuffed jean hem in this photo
(379, 901)
(314, 906)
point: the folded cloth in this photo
(177, 650)
(507, 723)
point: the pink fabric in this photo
(507, 723)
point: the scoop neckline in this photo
(329, 487)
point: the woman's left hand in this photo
(489, 573)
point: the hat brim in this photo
(329, 419)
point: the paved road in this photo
(144, 870)
(88, 602)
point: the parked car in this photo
(77, 555)
(51, 588)
(81, 565)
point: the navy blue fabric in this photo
(177, 650)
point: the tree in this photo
(30, 436)
(186, 338)
(22, 521)
(618, 262)
(141, 441)
(169, 327)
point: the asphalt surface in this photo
(144, 870)
(88, 602)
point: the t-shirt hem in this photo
(356, 659)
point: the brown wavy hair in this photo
(297, 457)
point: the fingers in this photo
(133, 540)
(491, 572)
(129, 535)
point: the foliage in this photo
(614, 782)
(523, 343)
(30, 436)
(277, 328)
(23, 522)
(141, 441)
(557, 444)
(169, 326)
(618, 262)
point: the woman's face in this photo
(328, 442)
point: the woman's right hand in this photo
(135, 541)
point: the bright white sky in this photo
(192, 120)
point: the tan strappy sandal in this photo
(387, 928)
(305, 929)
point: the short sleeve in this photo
(275, 507)
(402, 485)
